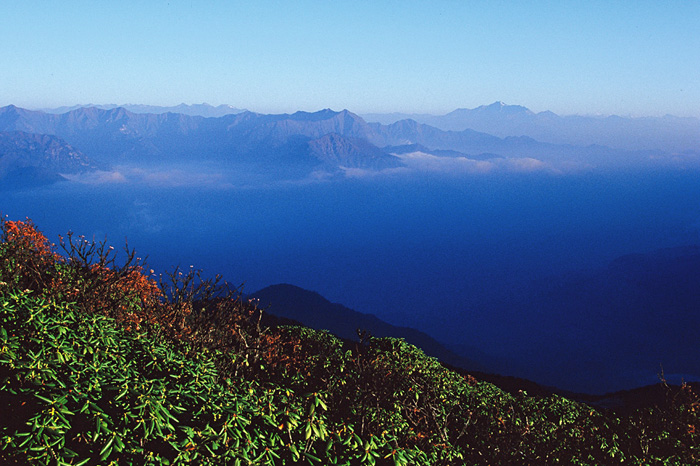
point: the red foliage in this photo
(193, 310)
(29, 261)
(27, 255)
(125, 295)
(284, 353)
(25, 235)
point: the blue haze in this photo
(453, 256)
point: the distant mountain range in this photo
(333, 142)
(204, 110)
(324, 139)
(667, 133)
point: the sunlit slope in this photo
(100, 363)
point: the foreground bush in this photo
(78, 388)
(102, 364)
(87, 382)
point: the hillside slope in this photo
(314, 311)
(100, 364)
(28, 159)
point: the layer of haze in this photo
(640, 58)
(478, 260)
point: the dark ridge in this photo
(313, 310)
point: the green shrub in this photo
(101, 364)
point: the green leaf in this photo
(44, 398)
(106, 450)
(312, 458)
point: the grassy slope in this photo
(97, 366)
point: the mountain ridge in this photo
(298, 141)
(117, 135)
(313, 310)
(36, 159)
(203, 109)
(630, 133)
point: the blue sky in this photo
(628, 58)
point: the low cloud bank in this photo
(226, 177)
(160, 177)
(421, 162)
(433, 163)
(98, 177)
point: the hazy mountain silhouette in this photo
(313, 310)
(28, 159)
(468, 141)
(117, 135)
(290, 305)
(204, 109)
(303, 141)
(338, 151)
(667, 133)
(611, 328)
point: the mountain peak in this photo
(314, 116)
(12, 109)
(501, 107)
(12, 117)
(344, 117)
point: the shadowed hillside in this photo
(313, 310)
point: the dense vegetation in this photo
(100, 363)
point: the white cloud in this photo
(350, 172)
(156, 177)
(420, 161)
(526, 165)
(97, 177)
